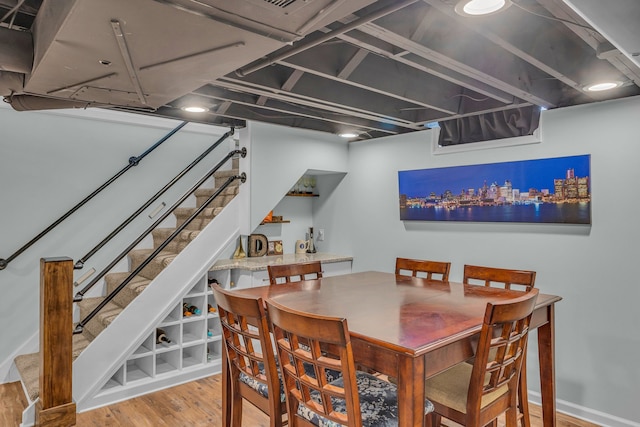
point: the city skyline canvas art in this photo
(553, 190)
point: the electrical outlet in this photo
(321, 235)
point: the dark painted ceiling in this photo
(374, 67)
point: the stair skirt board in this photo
(115, 346)
(29, 415)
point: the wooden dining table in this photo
(411, 328)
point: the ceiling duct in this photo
(16, 51)
(31, 102)
(146, 54)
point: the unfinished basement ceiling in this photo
(376, 68)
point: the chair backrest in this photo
(300, 339)
(501, 348)
(286, 273)
(249, 348)
(522, 279)
(424, 268)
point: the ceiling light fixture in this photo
(348, 135)
(195, 109)
(481, 7)
(598, 87)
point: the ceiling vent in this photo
(281, 3)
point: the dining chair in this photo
(418, 266)
(286, 273)
(253, 373)
(354, 399)
(475, 395)
(509, 279)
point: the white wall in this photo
(49, 161)
(592, 267)
(281, 155)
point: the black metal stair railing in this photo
(80, 326)
(133, 161)
(80, 295)
(80, 263)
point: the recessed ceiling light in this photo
(597, 87)
(481, 7)
(195, 109)
(348, 135)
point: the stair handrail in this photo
(80, 263)
(80, 294)
(133, 161)
(80, 325)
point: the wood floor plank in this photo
(195, 404)
(12, 403)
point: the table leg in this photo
(546, 356)
(411, 396)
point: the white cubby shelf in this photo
(195, 350)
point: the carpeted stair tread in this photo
(178, 243)
(130, 291)
(221, 200)
(151, 270)
(28, 366)
(103, 319)
(200, 221)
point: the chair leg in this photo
(523, 398)
(236, 408)
(432, 420)
(511, 417)
(226, 392)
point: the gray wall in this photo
(593, 268)
(49, 161)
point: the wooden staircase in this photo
(28, 364)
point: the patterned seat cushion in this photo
(262, 388)
(378, 403)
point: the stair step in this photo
(223, 198)
(102, 319)
(222, 176)
(198, 222)
(130, 291)
(28, 366)
(151, 270)
(178, 243)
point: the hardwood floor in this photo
(194, 404)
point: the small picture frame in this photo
(274, 247)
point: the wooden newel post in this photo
(55, 407)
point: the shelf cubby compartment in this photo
(139, 369)
(193, 331)
(173, 333)
(146, 348)
(174, 315)
(214, 347)
(198, 301)
(116, 380)
(213, 326)
(198, 288)
(211, 301)
(193, 356)
(167, 362)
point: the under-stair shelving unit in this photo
(195, 349)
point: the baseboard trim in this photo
(586, 414)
